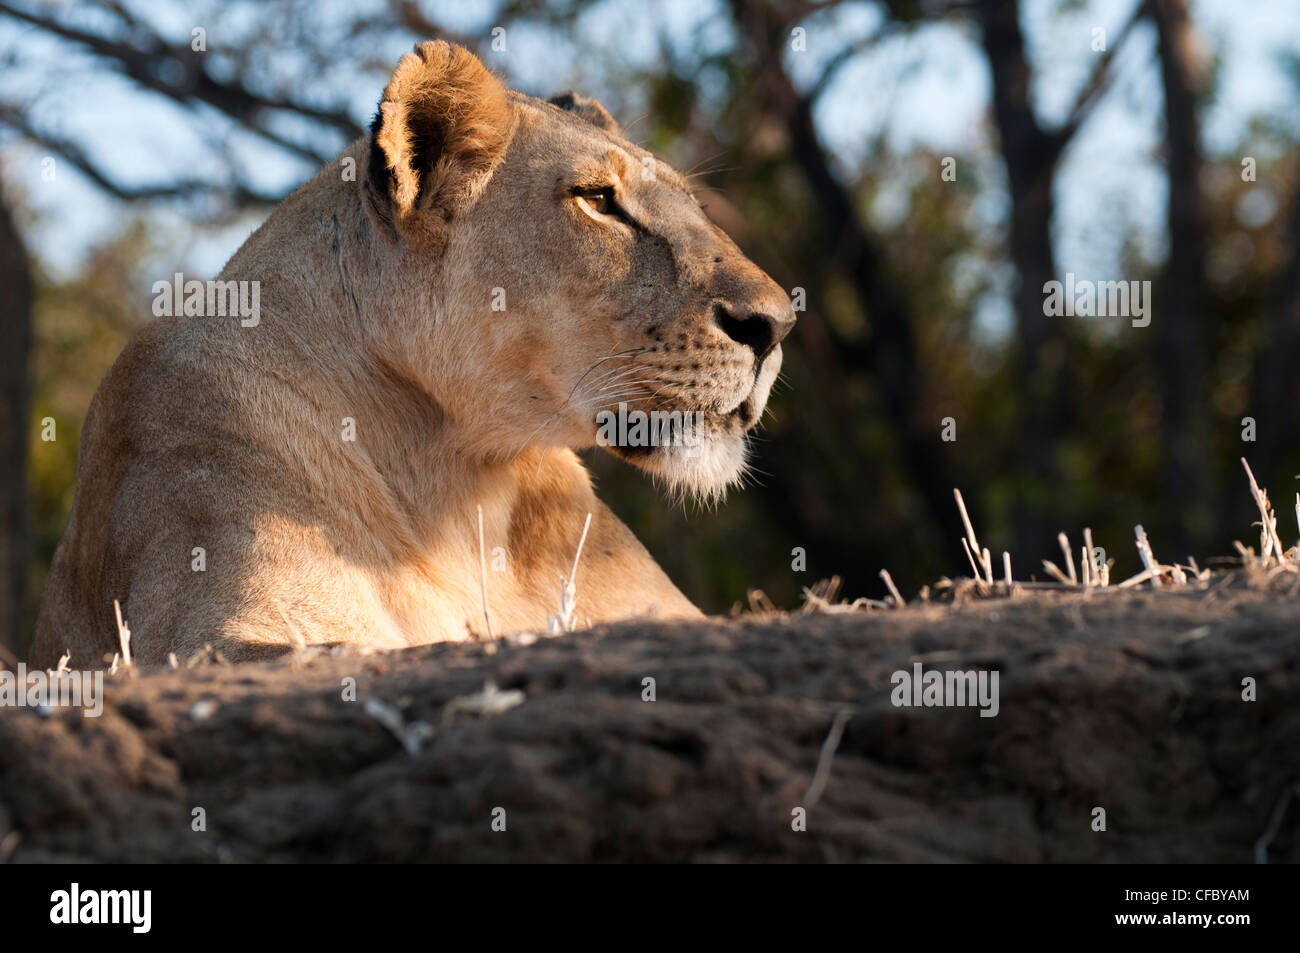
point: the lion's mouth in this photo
(639, 433)
(749, 410)
(711, 425)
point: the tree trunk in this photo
(16, 332)
(1181, 347)
(1275, 382)
(1030, 155)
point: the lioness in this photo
(437, 331)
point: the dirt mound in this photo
(1127, 701)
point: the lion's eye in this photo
(600, 200)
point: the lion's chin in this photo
(703, 471)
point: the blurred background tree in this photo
(919, 169)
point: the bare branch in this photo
(141, 61)
(73, 153)
(409, 15)
(1098, 82)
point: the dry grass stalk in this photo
(1270, 544)
(987, 574)
(899, 601)
(1064, 542)
(411, 736)
(812, 602)
(1066, 577)
(823, 771)
(822, 596)
(200, 656)
(490, 701)
(1099, 574)
(973, 568)
(1095, 573)
(482, 573)
(123, 635)
(1152, 573)
(563, 620)
(1146, 555)
(586, 526)
(1055, 572)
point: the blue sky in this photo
(929, 88)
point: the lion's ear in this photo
(587, 108)
(441, 129)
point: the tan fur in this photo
(376, 305)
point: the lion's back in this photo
(127, 467)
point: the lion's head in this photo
(565, 279)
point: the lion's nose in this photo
(760, 331)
